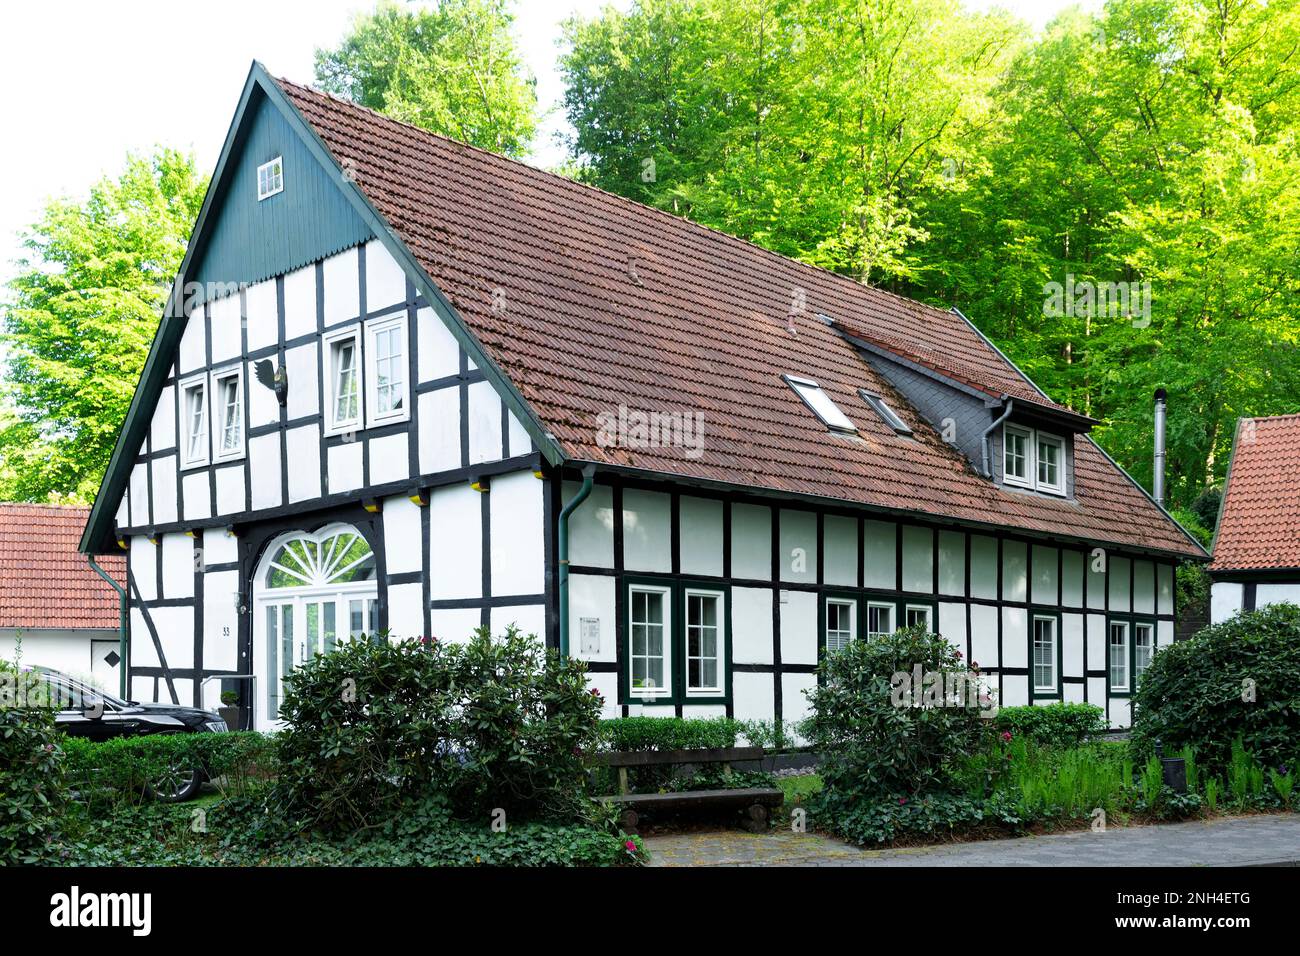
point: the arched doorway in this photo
(310, 592)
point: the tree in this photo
(452, 68)
(84, 308)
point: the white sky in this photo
(86, 81)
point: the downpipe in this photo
(588, 480)
(122, 619)
(984, 438)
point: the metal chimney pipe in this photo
(1158, 479)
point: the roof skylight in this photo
(881, 407)
(820, 403)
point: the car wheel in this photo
(176, 784)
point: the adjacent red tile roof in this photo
(1259, 528)
(608, 302)
(44, 581)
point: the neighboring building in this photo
(430, 346)
(1257, 542)
(63, 613)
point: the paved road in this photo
(1240, 841)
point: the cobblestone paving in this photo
(1241, 841)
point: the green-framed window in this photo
(1130, 646)
(846, 615)
(677, 642)
(1046, 657)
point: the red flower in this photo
(902, 800)
(631, 847)
(1006, 736)
(959, 655)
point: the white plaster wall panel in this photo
(1015, 558)
(439, 430)
(230, 489)
(302, 365)
(299, 303)
(1164, 633)
(1015, 637)
(1072, 693)
(1144, 587)
(176, 633)
(1096, 660)
(983, 567)
(484, 423)
(343, 466)
(591, 596)
(798, 552)
(591, 526)
(194, 347)
(1118, 578)
(389, 459)
(221, 622)
(123, 516)
(952, 624)
(918, 559)
(139, 485)
(842, 549)
(163, 471)
(984, 635)
(1165, 589)
(263, 407)
(751, 625)
(520, 443)
(1072, 578)
(1045, 575)
(454, 625)
(751, 696)
(751, 542)
(302, 447)
(606, 687)
(952, 563)
(455, 543)
(196, 495)
(647, 530)
(1119, 712)
(227, 328)
(1225, 600)
(529, 618)
(143, 651)
(385, 279)
(342, 287)
(142, 558)
(794, 700)
(1015, 691)
(1276, 593)
(880, 554)
(1097, 691)
(405, 613)
(1096, 562)
(261, 315)
(439, 355)
(518, 534)
(798, 627)
(264, 470)
(402, 542)
(142, 687)
(1072, 645)
(178, 565)
(699, 711)
(219, 547)
(162, 430)
(701, 536)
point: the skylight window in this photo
(882, 409)
(820, 403)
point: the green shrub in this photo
(33, 787)
(1053, 725)
(669, 733)
(887, 818)
(1198, 692)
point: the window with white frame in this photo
(1051, 464)
(650, 635)
(918, 615)
(839, 624)
(1144, 648)
(883, 409)
(1033, 459)
(704, 617)
(821, 404)
(194, 422)
(1016, 456)
(1118, 659)
(387, 398)
(1045, 654)
(228, 414)
(880, 619)
(343, 380)
(270, 179)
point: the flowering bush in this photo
(33, 789)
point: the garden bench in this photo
(754, 801)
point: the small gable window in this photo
(1033, 459)
(887, 414)
(821, 404)
(1050, 471)
(194, 422)
(1015, 469)
(270, 178)
(228, 410)
(386, 378)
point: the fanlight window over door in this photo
(315, 590)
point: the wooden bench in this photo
(754, 801)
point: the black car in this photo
(86, 711)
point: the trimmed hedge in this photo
(669, 733)
(1056, 725)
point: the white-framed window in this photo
(821, 404)
(1017, 456)
(880, 618)
(1044, 654)
(228, 413)
(917, 615)
(883, 409)
(1051, 463)
(1033, 459)
(1118, 655)
(270, 178)
(1144, 647)
(704, 643)
(650, 637)
(343, 380)
(387, 386)
(194, 421)
(840, 621)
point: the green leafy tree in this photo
(82, 312)
(452, 67)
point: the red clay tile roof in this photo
(1259, 528)
(44, 581)
(608, 302)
